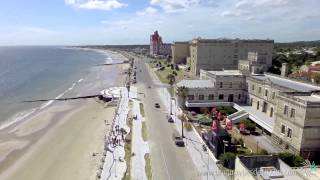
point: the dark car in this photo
(178, 140)
(157, 105)
(171, 119)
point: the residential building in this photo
(286, 110)
(297, 123)
(157, 47)
(218, 54)
(180, 52)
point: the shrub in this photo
(175, 73)
(241, 142)
(251, 126)
(263, 152)
(227, 158)
(188, 126)
(291, 159)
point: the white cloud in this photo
(261, 3)
(174, 5)
(234, 13)
(96, 4)
(148, 11)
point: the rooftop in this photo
(196, 84)
(226, 73)
(226, 40)
(287, 83)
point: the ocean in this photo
(28, 73)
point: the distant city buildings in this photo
(157, 47)
(218, 54)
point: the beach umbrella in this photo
(228, 124)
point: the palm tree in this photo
(172, 81)
(182, 92)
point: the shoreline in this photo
(25, 137)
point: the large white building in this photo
(287, 110)
(218, 54)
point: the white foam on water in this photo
(23, 115)
(80, 80)
(17, 118)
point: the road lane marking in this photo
(165, 164)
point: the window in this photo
(211, 97)
(271, 112)
(258, 104)
(283, 129)
(240, 85)
(252, 87)
(273, 95)
(191, 97)
(260, 89)
(293, 113)
(201, 97)
(230, 85)
(285, 111)
(239, 96)
(221, 96)
(289, 133)
(266, 93)
(221, 84)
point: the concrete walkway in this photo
(139, 146)
(114, 166)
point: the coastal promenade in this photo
(114, 166)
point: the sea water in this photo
(28, 73)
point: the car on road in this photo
(178, 140)
(171, 119)
(157, 105)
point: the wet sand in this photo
(66, 150)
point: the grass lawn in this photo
(148, 169)
(162, 75)
(142, 110)
(144, 131)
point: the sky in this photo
(90, 22)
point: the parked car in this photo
(157, 105)
(178, 140)
(171, 119)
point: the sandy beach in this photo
(59, 142)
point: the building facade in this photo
(218, 54)
(157, 47)
(180, 52)
(225, 54)
(286, 109)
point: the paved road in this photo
(168, 161)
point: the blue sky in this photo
(81, 22)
